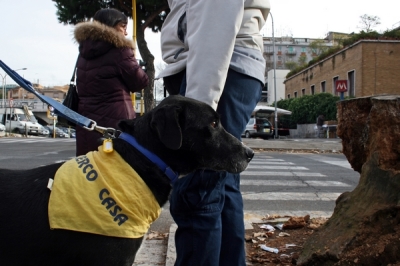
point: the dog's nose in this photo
(249, 153)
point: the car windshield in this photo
(22, 117)
(33, 119)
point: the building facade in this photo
(370, 67)
(290, 52)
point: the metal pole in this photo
(4, 89)
(273, 51)
(5, 94)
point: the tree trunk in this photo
(146, 55)
(365, 226)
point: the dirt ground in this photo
(367, 249)
(287, 235)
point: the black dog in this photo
(183, 133)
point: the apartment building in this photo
(289, 53)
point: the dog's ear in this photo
(165, 121)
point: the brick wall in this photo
(375, 65)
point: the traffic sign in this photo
(50, 112)
(341, 85)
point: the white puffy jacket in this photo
(209, 36)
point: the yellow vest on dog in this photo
(100, 193)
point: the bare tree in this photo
(317, 47)
(368, 22)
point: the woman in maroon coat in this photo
(107, 72)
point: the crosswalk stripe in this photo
(276, 167)
(270, 162)
(333, 161)
(269, 173)
(344, 164)
(249, 182)
(261, 159)
(296, 196)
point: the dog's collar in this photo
(173, 176)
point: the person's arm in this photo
(132, 74)
(211, 31)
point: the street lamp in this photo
(4, 85)
(273, 51)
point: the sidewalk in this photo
(158, 252)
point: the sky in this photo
(31, 36)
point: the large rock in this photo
(365, 226)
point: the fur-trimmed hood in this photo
(96, 31)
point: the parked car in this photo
(59, 132)
(16, 120)
(71, 133)
(43, 132)
(2, 129)
(258, 127)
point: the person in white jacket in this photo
(214, 54)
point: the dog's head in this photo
(187, 135)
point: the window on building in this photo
(288, 96)
(312, 89)
(323, 86)
(303, 92)
(295, 94)
(303, 49)
(334, 92)
(291, 50)
(264, 93)
(264, 98)
(351, 84)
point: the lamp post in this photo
(4, 85)
(273, 51)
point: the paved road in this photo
(295, 183)
(26, 153)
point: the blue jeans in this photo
(206, 205)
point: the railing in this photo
(34, 105)
(39, 106)
(291, 52)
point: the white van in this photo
(19, 120)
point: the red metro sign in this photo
(341, 85)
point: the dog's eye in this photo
(214, 124)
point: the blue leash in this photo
(173, 176)
(89, 124)
(58, 107)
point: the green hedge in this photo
(307, 108)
